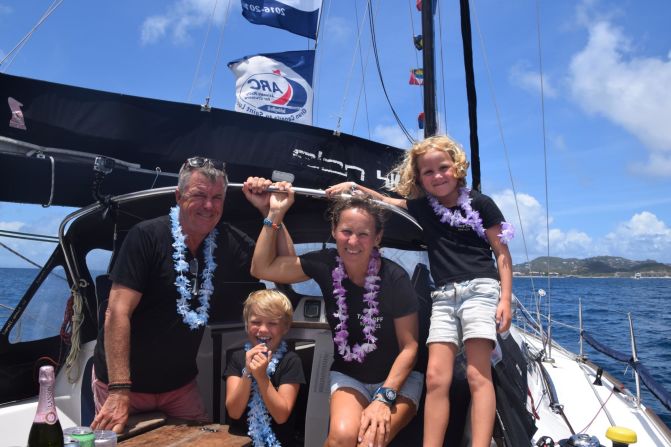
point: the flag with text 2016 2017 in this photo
(296, 16)
(275, 85)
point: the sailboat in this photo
(122, 174)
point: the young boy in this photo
(263, 379)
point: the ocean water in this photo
(605, 301)
(605, 304)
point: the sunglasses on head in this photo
(199, 162)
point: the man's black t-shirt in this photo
(457, 253)
(289, 370)
(163, 348)
(396, 297)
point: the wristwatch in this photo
(385, 395)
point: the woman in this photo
(374, 391)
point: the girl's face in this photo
(355, 236)
(268, 330)
(436, 175)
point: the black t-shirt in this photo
(163, 348)
(396, 299)
(457, 253)
(289, 370)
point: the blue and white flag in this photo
(296, 16)
(277, 85)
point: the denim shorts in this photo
(464, 310)
(411, 389)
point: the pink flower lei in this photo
(471, 218)
(357, 352)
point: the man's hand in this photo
(114, 413)
(375, 424)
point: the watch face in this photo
(390, 394)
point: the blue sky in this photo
(607, 78)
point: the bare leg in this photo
(483, 399)
(438, 381)
(346, 407)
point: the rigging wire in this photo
(364, 65)
(545, 161)
(442, 67)
(351, 69)
(206, 106)
(315, 77)
(497, 112)
(14, 51)
(202, 50)
(379, 72)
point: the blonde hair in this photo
(270, 303)
(408, 170)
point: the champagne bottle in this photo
(46, 430)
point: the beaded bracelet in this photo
(246, 373)
(269, 223)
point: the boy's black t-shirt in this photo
(289, 370)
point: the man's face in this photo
(201, 205)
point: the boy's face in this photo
(268, 330)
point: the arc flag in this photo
(296, 16)
(275, 85)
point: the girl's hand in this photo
(341, 188)
(503, 315)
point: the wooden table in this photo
(182, 434)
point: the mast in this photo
(466, 40)
(428, 59)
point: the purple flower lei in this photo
(357, 352)
(471, 218)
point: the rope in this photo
(14, 51)
(379, 72)
(364, 65)
(206, 106)
(75, 323)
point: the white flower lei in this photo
(258, 419)
(357, 352)
(471, 219)
(199, 317)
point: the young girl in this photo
(461, 228)
(372, 310)
(264, 377)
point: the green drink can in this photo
(83, 435)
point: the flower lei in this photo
(258, 419)
(357, 352)
(199, 317)
(471, 218)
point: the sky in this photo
(589, 160)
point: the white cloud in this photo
(606, 78)
(180, 18)
(11, 225)
(4, 9)
(391, 135)
(339, 30)
(524, 77)
(644, 236)
(533, 231)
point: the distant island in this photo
(598, 266)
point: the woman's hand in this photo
(375, 424)
(281, 201)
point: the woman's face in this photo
(355, 236)
(436, 174)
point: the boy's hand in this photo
(257, 360)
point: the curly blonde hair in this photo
(408, 171)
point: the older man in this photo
(166, 272)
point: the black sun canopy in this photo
(51, 133)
